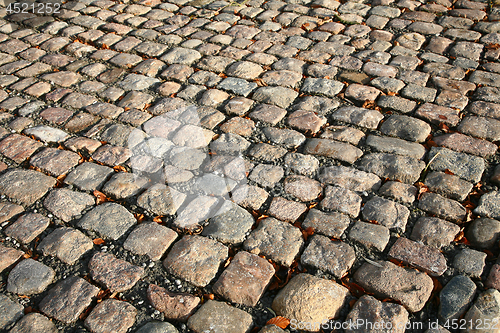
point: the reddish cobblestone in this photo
(173, 306)
(18, 147)
(245, 279)
(262, 107)
(115, 274)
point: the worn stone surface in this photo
(455, 298)
(484, 309)
(329, 224)
(465, 166)
(88, 176)
(68, 299)
(488, 205)
(151, 239)
(18, 148)
(109, 220)
(220, 317)
(394, 167)
(66, 204)
(434, 232)
(176, 306)
(9, 257)
(442, 207)
(8, 210)
(196, 259)
(34, 322)
(370, 235)
(67, 244)
(25, 186)
(245, 279)
(230, 225)
(331, 116)
(29, 277)
(111, 315)
(333, 257)
(11, 311)
(27, 227)
(271, 232)
(342, 200)
(56, 162)
(423, 257)
(350, 178)
(370, 310)
(309, 299)
(386, 212)
(410, 287)
(115, 274)
(470, 262)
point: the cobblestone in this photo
(369, 309)
(409, 287)
(423, 257)
(27, 227)
(456, 297)
(34, 322)
(68, 299)
(26, 186)
(29, 277)
(67, 244)
(246, 271)
(115, 274)
(271, 232)
(9, 257)
(382, 103)
(434, 232)
(11, 311)
(108, 219)
(174, 306)
(304, 293)
(221, 318)
(333, 257)
(111, 315)
(196, 259)
(386, 212)
(470, 262)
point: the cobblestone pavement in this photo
(206, 166)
